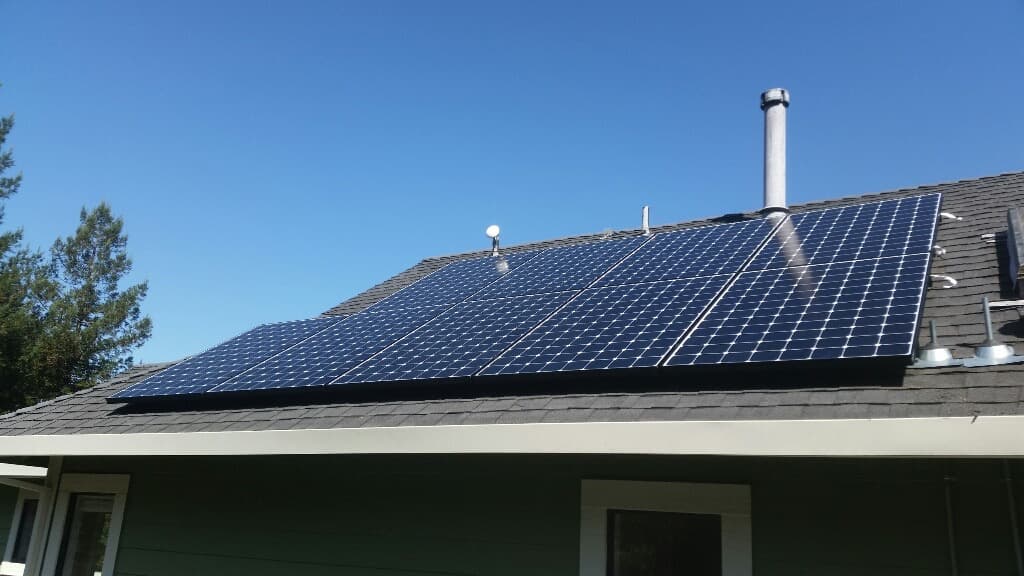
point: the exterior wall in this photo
(515, 515)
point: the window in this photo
(20, 535)
(86, 525)
(664, 529)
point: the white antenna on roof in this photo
(492, 232)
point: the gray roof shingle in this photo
(955, 391)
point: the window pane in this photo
(664, 544)
(24, 536)
(85, 539)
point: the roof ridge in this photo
(923, 188)
(429, 264)
(710, 220)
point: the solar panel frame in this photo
(204, 371)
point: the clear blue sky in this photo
(272, 159)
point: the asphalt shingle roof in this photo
(978, 264)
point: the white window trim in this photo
(8, 567)
(116, 484)
(730, 501)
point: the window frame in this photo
(8, 567)
(731, 502)
(113, 484)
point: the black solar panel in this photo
(704, 251)
(875, 230)
(319, 360)
(459, 342)
(839, 310)
(561, 269)
(454, 283)
(204, 371)
(626, 326)
(838, 283)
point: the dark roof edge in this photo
(137, 372)
(920, 189)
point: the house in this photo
(843, 468)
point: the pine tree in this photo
(91, 324)
(19, 321)
(65, 323)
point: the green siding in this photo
(517, 515)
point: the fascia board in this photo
(984, 436)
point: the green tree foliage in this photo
(65, 321)
(90, 325)
(19, 325)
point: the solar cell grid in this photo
(459, 342)
(862, 231)
(848, 309)
(837, 283)
(705, 251)
(624, 326)
(454, 282)
(204, 371)
(323, 358)
(561, 269)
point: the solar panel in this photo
(704, 251)
(459, 342)
(838, 283)
(453, 283)
(204, 371)
(874, 230)
(561, 269)
(851, 309)
(332, 352)
(627, 326)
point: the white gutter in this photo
(984, 436)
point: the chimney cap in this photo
(774, 96)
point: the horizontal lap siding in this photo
(406, 516)
(298, 519)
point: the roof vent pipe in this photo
(645, 220)
(774, 103)
(991, 351)
(934, 353)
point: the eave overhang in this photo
(982, 436)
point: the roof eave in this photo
(983, 436)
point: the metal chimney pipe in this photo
(645, 220)
(774, 103)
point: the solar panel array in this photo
(203, 372)
(829, 284)
(636, 312)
